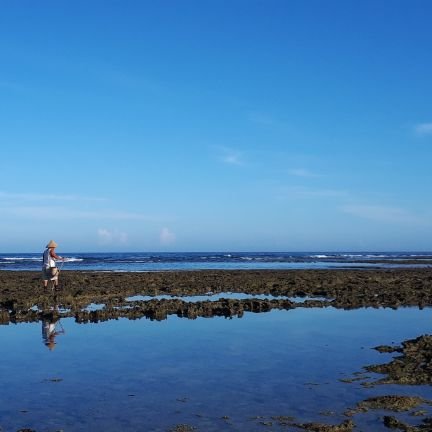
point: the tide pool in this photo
(211, 373)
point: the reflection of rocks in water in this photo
(114, 308)
(161, 309)
(414, 366)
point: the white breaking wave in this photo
(11, 260)
(21, 259)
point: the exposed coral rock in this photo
(391, 403)
(346, 426)
(414, 366)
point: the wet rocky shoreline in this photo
(350, 288)
(24, 299)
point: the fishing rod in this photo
(61, 265)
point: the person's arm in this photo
(55, 256)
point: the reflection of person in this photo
(50, 330)
(49, 268)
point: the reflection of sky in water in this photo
(148, 375)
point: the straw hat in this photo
(52, 244)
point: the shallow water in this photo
(147, 375)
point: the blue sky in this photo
(216, 125)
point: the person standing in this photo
(49, 268)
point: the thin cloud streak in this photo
(423, 129)
(300, 172)
(11, 86)
(55, 212)
(233, 159)
(262, 119)
(383, 214)
(45, 197)
(231, 156)
(305, 192)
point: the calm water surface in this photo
(147, 375)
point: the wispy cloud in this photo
(262, 119)
(300, 172)
(125, 79)
(56, 212)
(9, 85)
(167, 237)
(268, 121)
(423, 129)
(306, 192)
(47, 197)
(109, 237)
(383, 214)
(233, 159)
(230, 156)
(68, 207)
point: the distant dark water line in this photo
(147, 261)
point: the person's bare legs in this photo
(53, 283)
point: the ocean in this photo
(147, 261)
